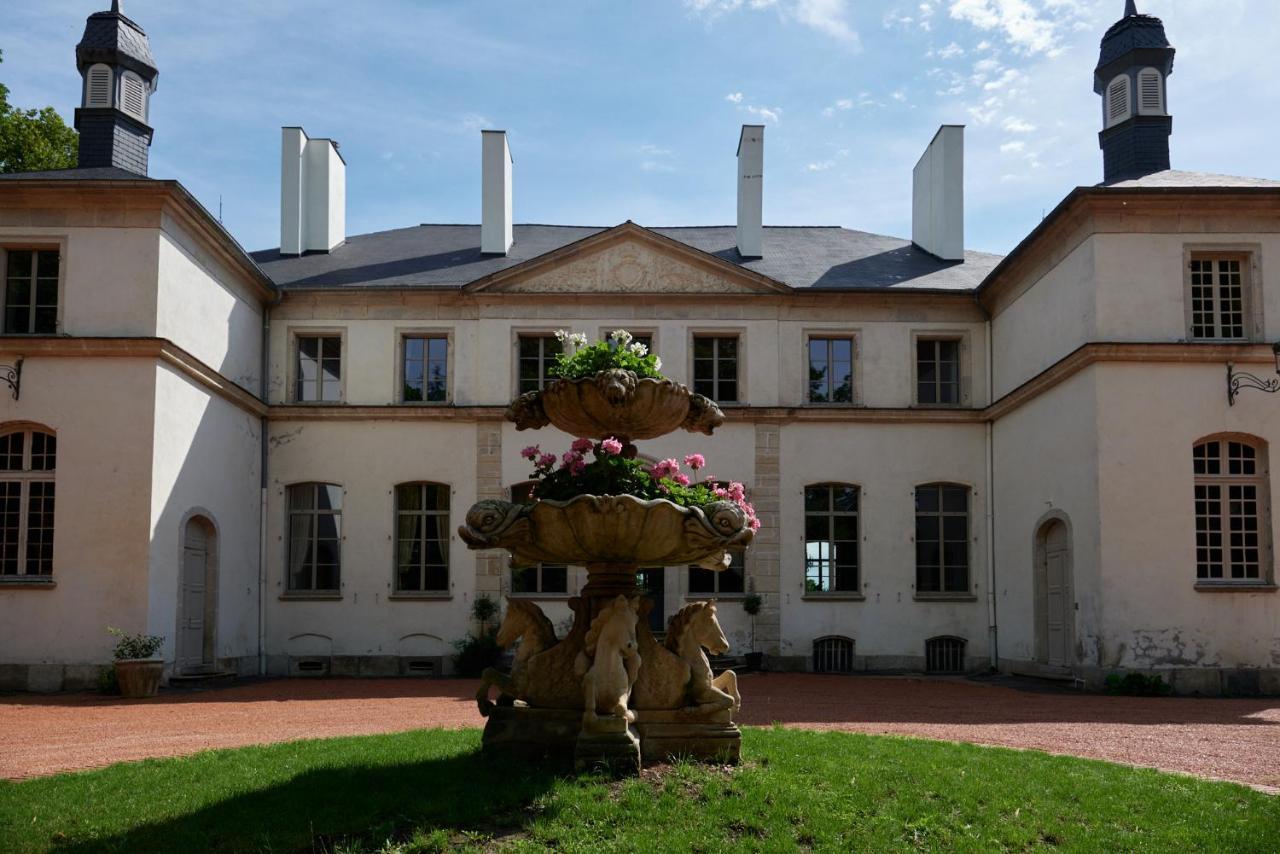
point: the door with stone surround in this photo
(197, 597)
(1054, 600)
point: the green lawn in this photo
(430, 789)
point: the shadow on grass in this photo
(321, 807)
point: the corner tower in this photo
(119, 74)
(1132, 75)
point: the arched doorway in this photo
(197, 597)
(1055, 605)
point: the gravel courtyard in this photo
(1225, 739)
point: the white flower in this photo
(578, 339)
(562, 334)
(622, 336)
(657, 363)
(638, 348)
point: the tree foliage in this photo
(34, 140)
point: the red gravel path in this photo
(1227, 739)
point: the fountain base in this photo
(689, 734)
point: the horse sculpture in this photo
(609, 662)
(695, 627)
(524, 621)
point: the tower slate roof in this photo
(114, 38)
(1133, 32)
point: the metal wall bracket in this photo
(1237, 380)
(12, 376)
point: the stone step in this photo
(202, 680)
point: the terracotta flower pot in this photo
(616, 403)
(139, 677)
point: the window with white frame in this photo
(426, 369)
(1117, 104)
(937, 371)
(1219, 294)
(1231, 506)
(28, 460)
(542, 578)
(537, 353)
(942, 538)
(319, 369)
(315, 538)
(715, 367)
(422, 538)
(831, 538)
(830, 370)
(730, 581)
(31, 291)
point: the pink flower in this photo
(754, 523)
(530, 452)
(611, 446)
(581, 446)
(570, 457)
(662, 469)
(546, 461)
(577, 467)
(682, 479)
(737, 492)
(695, 461)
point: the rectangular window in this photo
(319, 368)
(315, 537)
(831, 538)
(426, 369)
(937, 371)
(730, 580)
(31, 291)
(715, 367)
(422, 538)
(1229, 489)
(1219, 298)
(831, 370)
(27, 463)
(537, 353)
(942, 539)
(545, 578)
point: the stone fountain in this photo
(609, 693)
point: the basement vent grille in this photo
(833, 655)
(422, 667)
(311, 665)
(944, 655)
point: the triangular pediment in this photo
(627, 259)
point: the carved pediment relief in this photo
(630, 265)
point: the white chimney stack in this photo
(937, 193)
(313, 194)
(495, 193)
(751, 191)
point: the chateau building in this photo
(1047, 463)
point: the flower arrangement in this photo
(610, 471)
(130, 646)
(618, 351)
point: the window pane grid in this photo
(831, 538)
(731, 579)
(31, 292)
(830, 370)
(715, 367)
(28, 459)
(536, 355)
(422, 537)
(319, 368)
(942, 539)
(315, 537)
(426, 369)
(937, 371)
(1228, 511)
(1218, 298)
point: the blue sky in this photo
(631, 110)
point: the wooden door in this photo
(1058, 604)
(194, 631)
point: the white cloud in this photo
(951, 51)
(1017, 125)
(655, 151)
(829, 17)
(820, 166)
(1029, 28)
(765, 113)
(1016, 146)
(734, 97)
(899, 95)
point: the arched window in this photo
(98, 86)
(833, 654)
(542, 578)
(422, 538)
(1117, 105)
(831, 538)
(1150, 92)
(1231, 506)
(942, 538)
(27, 463)
(315, 538)
(133, 95)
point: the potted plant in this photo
(751, 604)
(138, 671)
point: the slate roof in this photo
(111, 33)
(97, 173)
(1133, 32)
(448, 256)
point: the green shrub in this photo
(476, 652)
(616, 351)
(1138, 685)
(135, 646)
(751, 603)
(484, 609)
